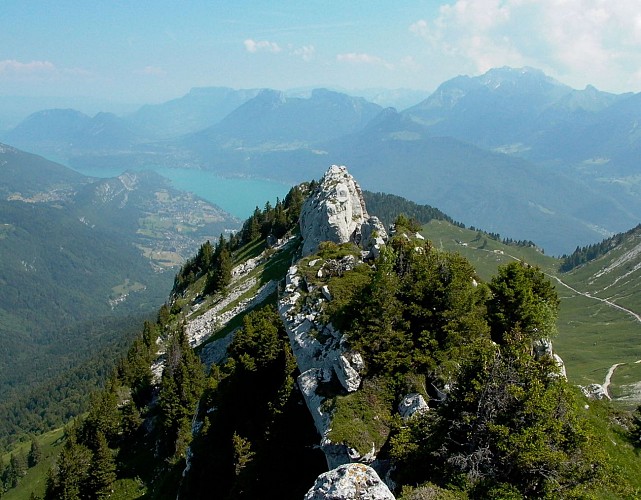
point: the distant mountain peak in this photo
(496, 77)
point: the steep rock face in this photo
(347, 482)
(320, 352)
(336, 212)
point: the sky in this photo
(145, 51)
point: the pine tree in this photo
(523, 303)
(103, 418)
(102, 473)
(17, 469)
(68, 479)
(35, 453)
(181, 386)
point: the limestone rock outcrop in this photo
(321, 354)
(412, 404)
(543, 348)
(336, 212)
(350, 482)
(594, 391)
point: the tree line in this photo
(588, 253)
(215, 260)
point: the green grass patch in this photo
(485, 253)
(625, 386)
(593, 336)
(249, 251)
(276, 267)
(35, 481)
(623, 459)
(362, 418)
(128, 489)
(126, 287)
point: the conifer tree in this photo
(35, 453)
(102, 472)
(68, 479)
(181, 386)
(16, 469)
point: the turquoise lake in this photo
(236, 195)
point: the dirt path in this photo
(605, 301)
(608, 377)
(585, 294)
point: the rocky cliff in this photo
(336, 212)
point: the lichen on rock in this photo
(350, 482)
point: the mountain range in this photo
(513, 150)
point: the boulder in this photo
(559, 362)
(347, 374)
(412, 404)
(373, 236)
(543, 348)
(350, 482)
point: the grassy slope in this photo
(36, 478)
(592, 335)
(608, 335)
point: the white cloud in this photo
(408, 62)
(362, 58)
(13, 68)
(40, 71)
(254, 46)
(306, 52)
(151, 71)
(579, 41)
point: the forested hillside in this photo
(82, 262)
(589, 253)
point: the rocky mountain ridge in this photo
(333, 214)
(406, 366)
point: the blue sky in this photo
(150, 51)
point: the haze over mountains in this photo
(512, 151)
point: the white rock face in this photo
(320, 354)
(350, 482)
(594, 391)
(559, 362)
(348, 374)
(543, 348)
(336, 212)
(412, 404)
